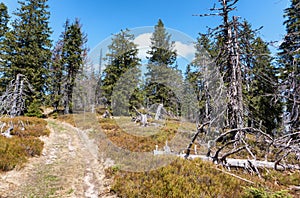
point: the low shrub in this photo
(11, 153)
(253, 192)
(68, 118)
(27, 126)
(197, 178)
(32, 146)
(137, 143)
(15, 151)
(182, 178)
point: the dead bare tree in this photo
(200, 129)
(12, 101)
(141, 117)
(229, 59)
(237, 138)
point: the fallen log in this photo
(242, 163)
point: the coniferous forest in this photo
(229, 121)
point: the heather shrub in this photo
(25, 143)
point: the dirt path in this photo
(68, 167)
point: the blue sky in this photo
(101, 18)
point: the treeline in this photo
(257, 88)
(26, 48)
(123, 86)
(232, 62)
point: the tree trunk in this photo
(244, 163)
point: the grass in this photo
(25, 143)
(124, 133)
(82, 121)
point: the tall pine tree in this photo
(57, 76)
(162, 57)
(29, 44)
(4, 19)
(262, 90)
(68, 58)
(121, 75)
(259, 81)
(195, 75)
(72, 60)
(244, 61)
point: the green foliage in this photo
(197, 178)
(260, 88)
(33, 110)
(68, 58)
(28, 45)
(73, 53)
(195, 76)
(11, 153)
(289, 53)
(253, 192)
(4, 19)
(121, 75)
(259, 76)
(162, 48)
(162, 75)
(56, 74)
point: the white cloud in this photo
(185, 50)
(144, 42)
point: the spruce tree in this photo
(263, 108)
(4, 19)
(244, 62)
(194, 74)
(206, 79)
(192, 93)
(68, 58)
(225, 39)
(259, 81)
(162, 48)
(161, 64)
(30, 44)
(289, 59)
(72, 59)
(56, 80)
(121, 75)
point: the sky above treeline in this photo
(102, 18)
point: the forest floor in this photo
(69, 166)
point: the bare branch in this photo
(200, 129)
